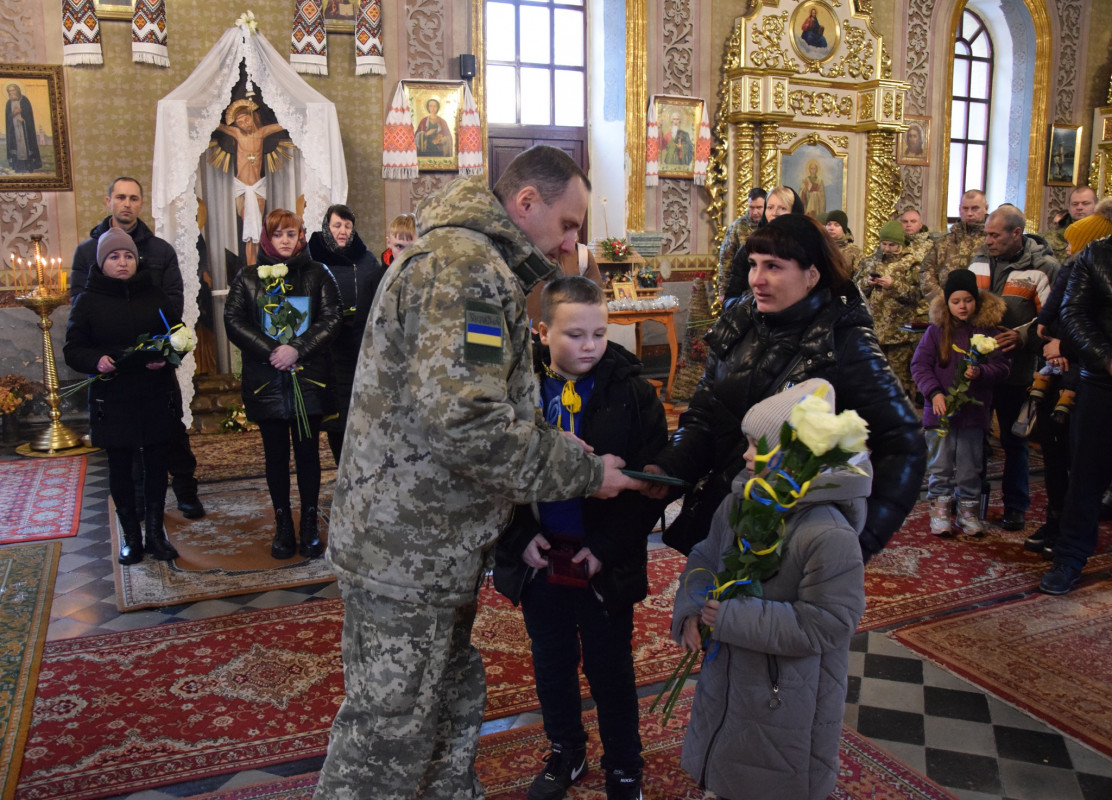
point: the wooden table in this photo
(666, 317)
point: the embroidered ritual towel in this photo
(652, 147)
(308, 42)
(148, 33)
(368, 39)
(470, 137)
(399, 146)
(80, 34)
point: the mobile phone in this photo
(874, 274)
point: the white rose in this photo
(264, 271)
(279, 271)
(982, 344)
(182, 340)
(855, 431)
(816, 427)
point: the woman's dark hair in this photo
(799, 238)
(341, 211)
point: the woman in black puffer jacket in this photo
(803, 319)
(269, 365)
(134, 407)
(357, 273)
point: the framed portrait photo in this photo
(913, 146)
(36, 139)
(815, 31)
(436, 107)
(1063, 158)
(819, 175)
(114, 9)
(678, 119)
(624, 290)
(339, 17)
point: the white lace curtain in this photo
(185, 121)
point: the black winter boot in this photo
(131, 536)
(157, 544)
(311, 546)
(285, 543)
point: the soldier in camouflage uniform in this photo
(737, 232)
(837, 225)
(1083, 201)
(441, 442)
(918, 238)
(956, 249)
(890, 283)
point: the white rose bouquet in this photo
(957, 396)
(280, 317)
(813, 440)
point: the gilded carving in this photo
(865, 107)
(889, 105)
(754, 95)
(770, 155)
(718, 177)
(769, 54)
(899, 107)
(745, 156)
(855, 62)
(778, 92)
(841, 142)
(735, 95)
(885, 63)
(637, 98)
(786, 137)
(819, 104)
(882, 177)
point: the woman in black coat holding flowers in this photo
(132, 405)
(282, 314)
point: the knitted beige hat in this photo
(768, 416)
(1088, 229)
(111, 240)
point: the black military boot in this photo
(309, 534)
(189, 504)
(131, 536)
(157, 544)
(285, 543)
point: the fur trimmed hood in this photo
(988, 315)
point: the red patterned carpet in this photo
(128, 711)
(919, 575)
(508, 761)
(40, 498)
(1046, 655)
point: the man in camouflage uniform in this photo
(441, 442)
(1083, 201)
(956, 249)
(918, 237)
(737, 232)
(890, 283)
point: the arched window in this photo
(536, 78)
(970, 110)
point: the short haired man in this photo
(124, 201)
(441, 443)
(1082, 203)
(1086, 316)
(1020, 269)
(738, 231)
(956, 248)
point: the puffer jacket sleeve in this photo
(79, 351)
(1085, 307)
(866, 384)
(702, 562)
(922, 364)
(829, 605)
(241, 317)
(326, 316)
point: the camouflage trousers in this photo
(409, 725)
(899, 359)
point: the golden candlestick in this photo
(44, 296)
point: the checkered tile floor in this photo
(974, 745)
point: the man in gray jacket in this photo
(441, 442)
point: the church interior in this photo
(675, 109)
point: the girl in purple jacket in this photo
(956, 453)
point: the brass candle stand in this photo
(47, 293)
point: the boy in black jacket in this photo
(578, 566)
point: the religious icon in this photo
(436, 107)
(35, 152)
(20, 133)
(812, 191)
(678, 121)
(256, 149)
(1062, 166)
(815, 31)
(434, 136)
(913, 145)
(820, 174)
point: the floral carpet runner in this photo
(26, 590)
(1048, 656)
(237, 692)
(508, 761)
(918, 575)
(40, 498)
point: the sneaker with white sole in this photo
(623, 784)
(567, 764)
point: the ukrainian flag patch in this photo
(483, 337)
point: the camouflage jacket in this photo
(894, 305)
(736, 234)
(851, 253)
(1056, 238)
(955, 250)
(442, 437)
(920, 244)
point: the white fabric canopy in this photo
(185, 121)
